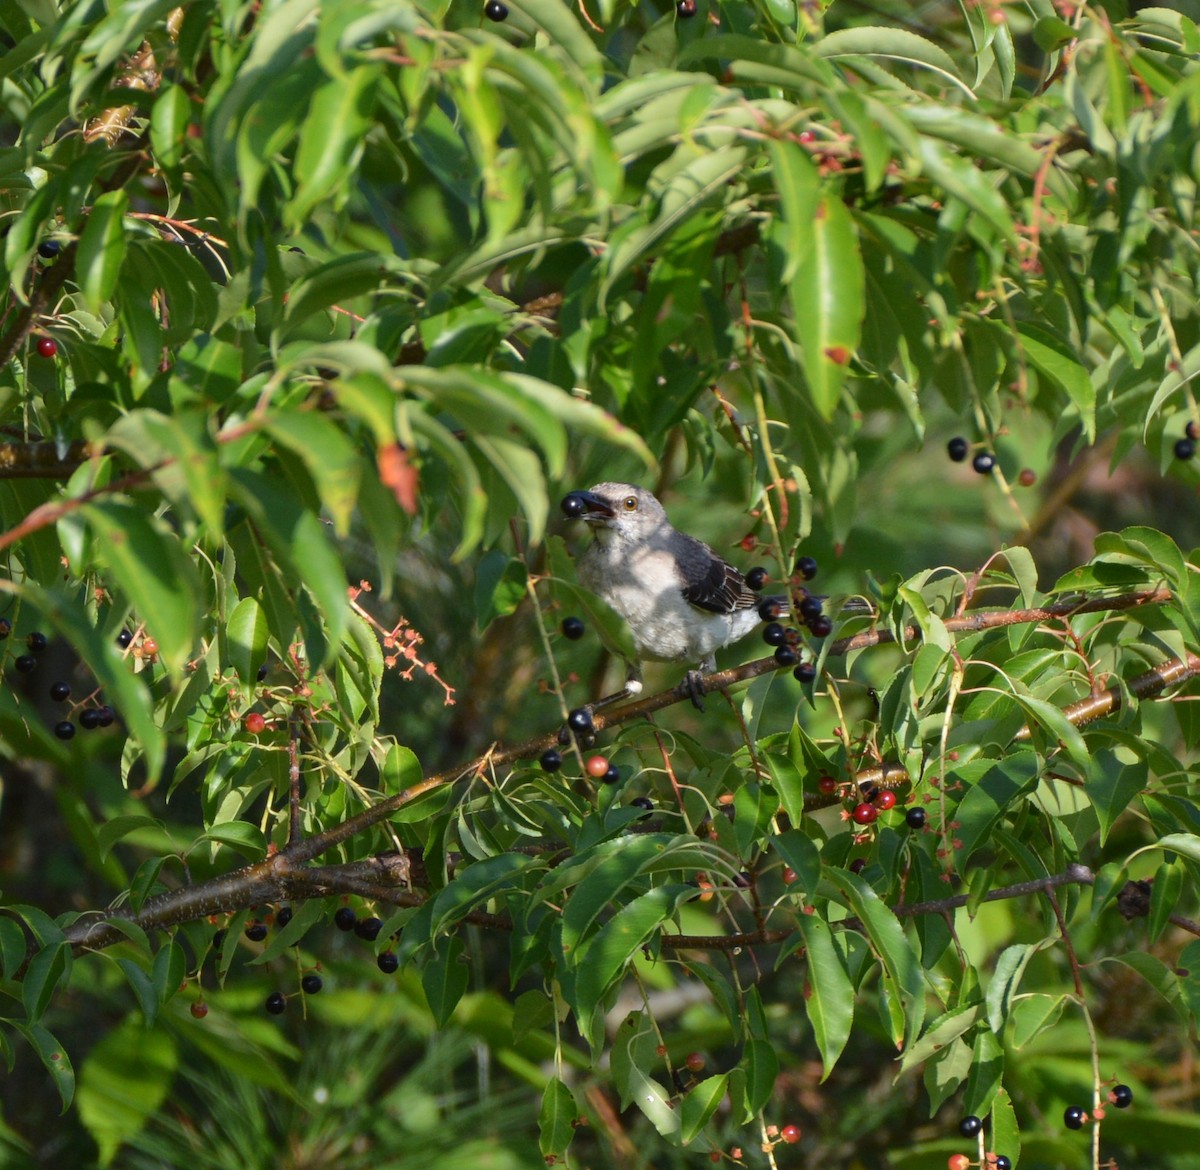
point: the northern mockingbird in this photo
(681, 601)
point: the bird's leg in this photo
(693, 681)
(693, 686)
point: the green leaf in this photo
(606, 954)
(830, 1006)
(101, 250)
(150, 567)
(1006, 1133)
(47, 969)
(901, 967)
(698, 1106)
(123, 1082)
(824, 274)
(556, 1118)
(328, 456)
(946, 1029)
(113, 830)
(331, 141)
(992, 797)
(53, 1057)
(247, 839)
(760, 1062)
(1112, 783)
(445, 979)
(1054, 358)
(987, 1072)
(246, 636)
(168, 125)
(474, 884)
(894, 44)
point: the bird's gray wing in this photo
(710, 583)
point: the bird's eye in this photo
(629, 503)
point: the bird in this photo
(681, 600)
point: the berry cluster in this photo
(91, 713)
(958, 449)
(1185, 448)
(346, 920)
(786, 639)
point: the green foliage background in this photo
(356, 292)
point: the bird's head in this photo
(619, 506)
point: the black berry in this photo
(984, 462)
(256, 931)
(1184, 448)
(276, 1003)
(311, 984)
(573, 628)
(368, 928)
(786, 656)
(344, 918)
(1073, 1117)
(124, 638)
(770, 609)
(915, 818)
(25, 663)
(60, 692)
(263, 671)
(643, 802)
(806, 567)
(1192, 431)
(105, 716)
(756, 578)
(387, 962)
(806, 672)
(810, 607)
(821, 626)
(686, 9)
(550, 760)
(1003, 1163)
(65, 729)
(612, 776)
(1122, 1095)
(970, 1126)
(36, 642)
(580, 721)
(48, 249)
(496, 11)
(89, 718)
(957, 448)
(574, 505)
(773, 634)
(283, 916)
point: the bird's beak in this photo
(587, 506)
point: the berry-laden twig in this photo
(283, 875)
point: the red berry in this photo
(885, 800)
(958, 1162)
(199, 1009)
(827, 784)
(255, 723)
(695, 1062)
(865, 814)
(149, 647)
(790, 1134)
(47, 347)
(1028, 477)
(596, 766)
(789, 875)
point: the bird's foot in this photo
(693, 685)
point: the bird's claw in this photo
(693, 684)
